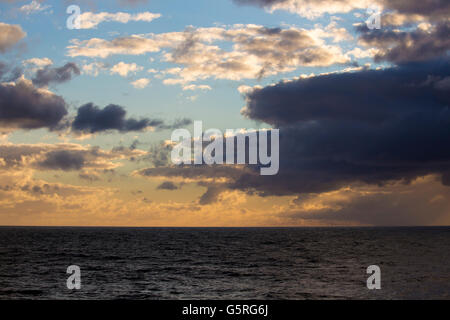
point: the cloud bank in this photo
(23, 106)
(9, 36)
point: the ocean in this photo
(224, 263)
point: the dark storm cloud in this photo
(371, 127)
(25, 107)
(371, 96)
(432, 9)
(63, 160)
(167, 185)
(93, 119)
(211, 195)
(49, 75)
(374, 127)
(401, 46)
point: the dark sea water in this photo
(237, 263)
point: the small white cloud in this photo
(196, 87)
(91, 20)
(244, 89)
(123, 69)
(359, 53)
(93, 69)
(172, 81)
(38, 62)
(140, 83)
(33, 7)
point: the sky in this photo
(87, 111)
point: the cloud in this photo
(8, 73)
(123, 69)
(360, 53)
(374, 127)
(9, 36)
(33, 7)
(25, 200)
(140, 83)
(49, 75)
(64, 160)
(38, 62)
(178, 123)
(371, 96)
(218, 179)
(91, 20)
(159, 154)
(92, 119)
(95, 47)
(93, 69)
(256, 51)
(405, 46)
(311, 9)
(88, 176)
(196, 87)
(167, 185)
(431, 10)
(423, 202)
(211, 195)
(62, 156)
(392, 125)
(24, 196)
(22, 106)
(198, 173)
